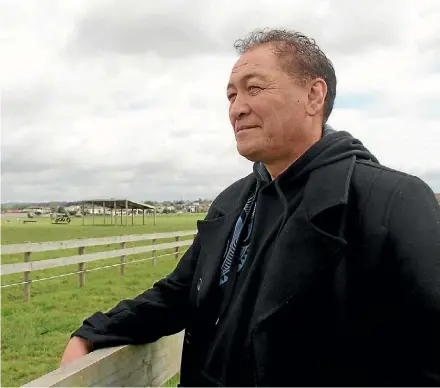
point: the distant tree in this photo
(61, 209)
(15, 206)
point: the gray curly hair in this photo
(299, 55)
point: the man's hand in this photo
(76, 348)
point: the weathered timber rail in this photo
(150, 365)
(27, 266)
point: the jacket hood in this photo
(333, 147)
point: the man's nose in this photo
(239, 108)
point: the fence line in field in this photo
(77, 243)
(81, 259)
(88, 270)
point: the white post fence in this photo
(82, 258)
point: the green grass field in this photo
(35, 333)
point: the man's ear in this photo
(316, 97)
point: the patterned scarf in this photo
(240, 239)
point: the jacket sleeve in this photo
(159, 311)
(414, 238)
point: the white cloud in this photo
(127, 98)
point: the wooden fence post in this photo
(122, 269)
(81, 269)
(177, 248)
(154, 252)
(27, 278)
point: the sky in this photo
(127, 98)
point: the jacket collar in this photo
(328, 186)
(234, 197)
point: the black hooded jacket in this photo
(341, 285)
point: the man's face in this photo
(267, 108)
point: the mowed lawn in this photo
(35, 333)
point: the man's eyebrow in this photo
(246, 78)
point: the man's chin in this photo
(247, 153)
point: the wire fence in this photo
(85, 271)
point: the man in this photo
(322, 267)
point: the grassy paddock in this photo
(34, 334)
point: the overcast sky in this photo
(127, 98)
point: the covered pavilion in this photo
(116, 206)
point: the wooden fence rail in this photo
(67, 244)
(81, 258)
(150, 365)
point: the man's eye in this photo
(254, 88)
(231, 96)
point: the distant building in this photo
(192, 209)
